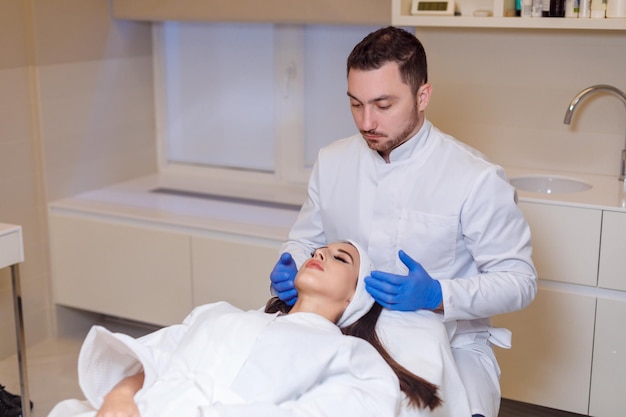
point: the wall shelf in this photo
(401, 16)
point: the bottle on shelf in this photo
(571, 8)
(598, 9)
(616, 8)
(536, 8)
(557, 8)
(584, 8)
(527, 6)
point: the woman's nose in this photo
(320, 254)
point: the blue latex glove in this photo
(283, 275)
(414, 291)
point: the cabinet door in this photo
(549, 363)
(608, 376)
(377, 12)
(138, 273)
(566, 242)
(613, 249)
(232, 269)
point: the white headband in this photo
(362, 301)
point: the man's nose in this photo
(368, 120)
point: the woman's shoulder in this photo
(207, 311)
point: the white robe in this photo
(223, 362)
(419, 342)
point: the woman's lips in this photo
(314, 265)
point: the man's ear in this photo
(423, 96)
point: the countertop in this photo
(136, 201)
(607, 192)
(252, 216)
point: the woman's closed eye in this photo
(338, 254)
(341, 258)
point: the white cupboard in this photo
(566, 242)
(612, 272)
(120, 269)
(232, 269)
(569, 350)
(608, 386)
(550, 361)
(153, 273)
(366, 12)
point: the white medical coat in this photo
(438, 200)
(226, 362)
(441, 202)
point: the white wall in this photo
(76, 113)
(505, 92)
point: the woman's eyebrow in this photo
(347, 253)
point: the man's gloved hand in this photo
(283, 276)
(414, 291)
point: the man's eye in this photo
(384, 107)
(355, 105)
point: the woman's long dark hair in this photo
(419, 392)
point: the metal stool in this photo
(11, 254)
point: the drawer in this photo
(566, 242)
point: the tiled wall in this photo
(95, 95)
(76, 113)
(505, 92)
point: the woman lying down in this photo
(222, 361)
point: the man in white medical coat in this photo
(440, 222)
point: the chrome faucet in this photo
(591, 90)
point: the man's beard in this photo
(399, 139)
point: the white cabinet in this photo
(366, 12)
(566, 242)
(568, 353)
(120, 269)
(549, 363)
(612, 273)
(608, 382)
(401, 16)
(608, 378)
(154, 273)
(232, 269)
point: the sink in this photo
(549, 184)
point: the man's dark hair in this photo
(391, 44)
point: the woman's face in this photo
(332, 271)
